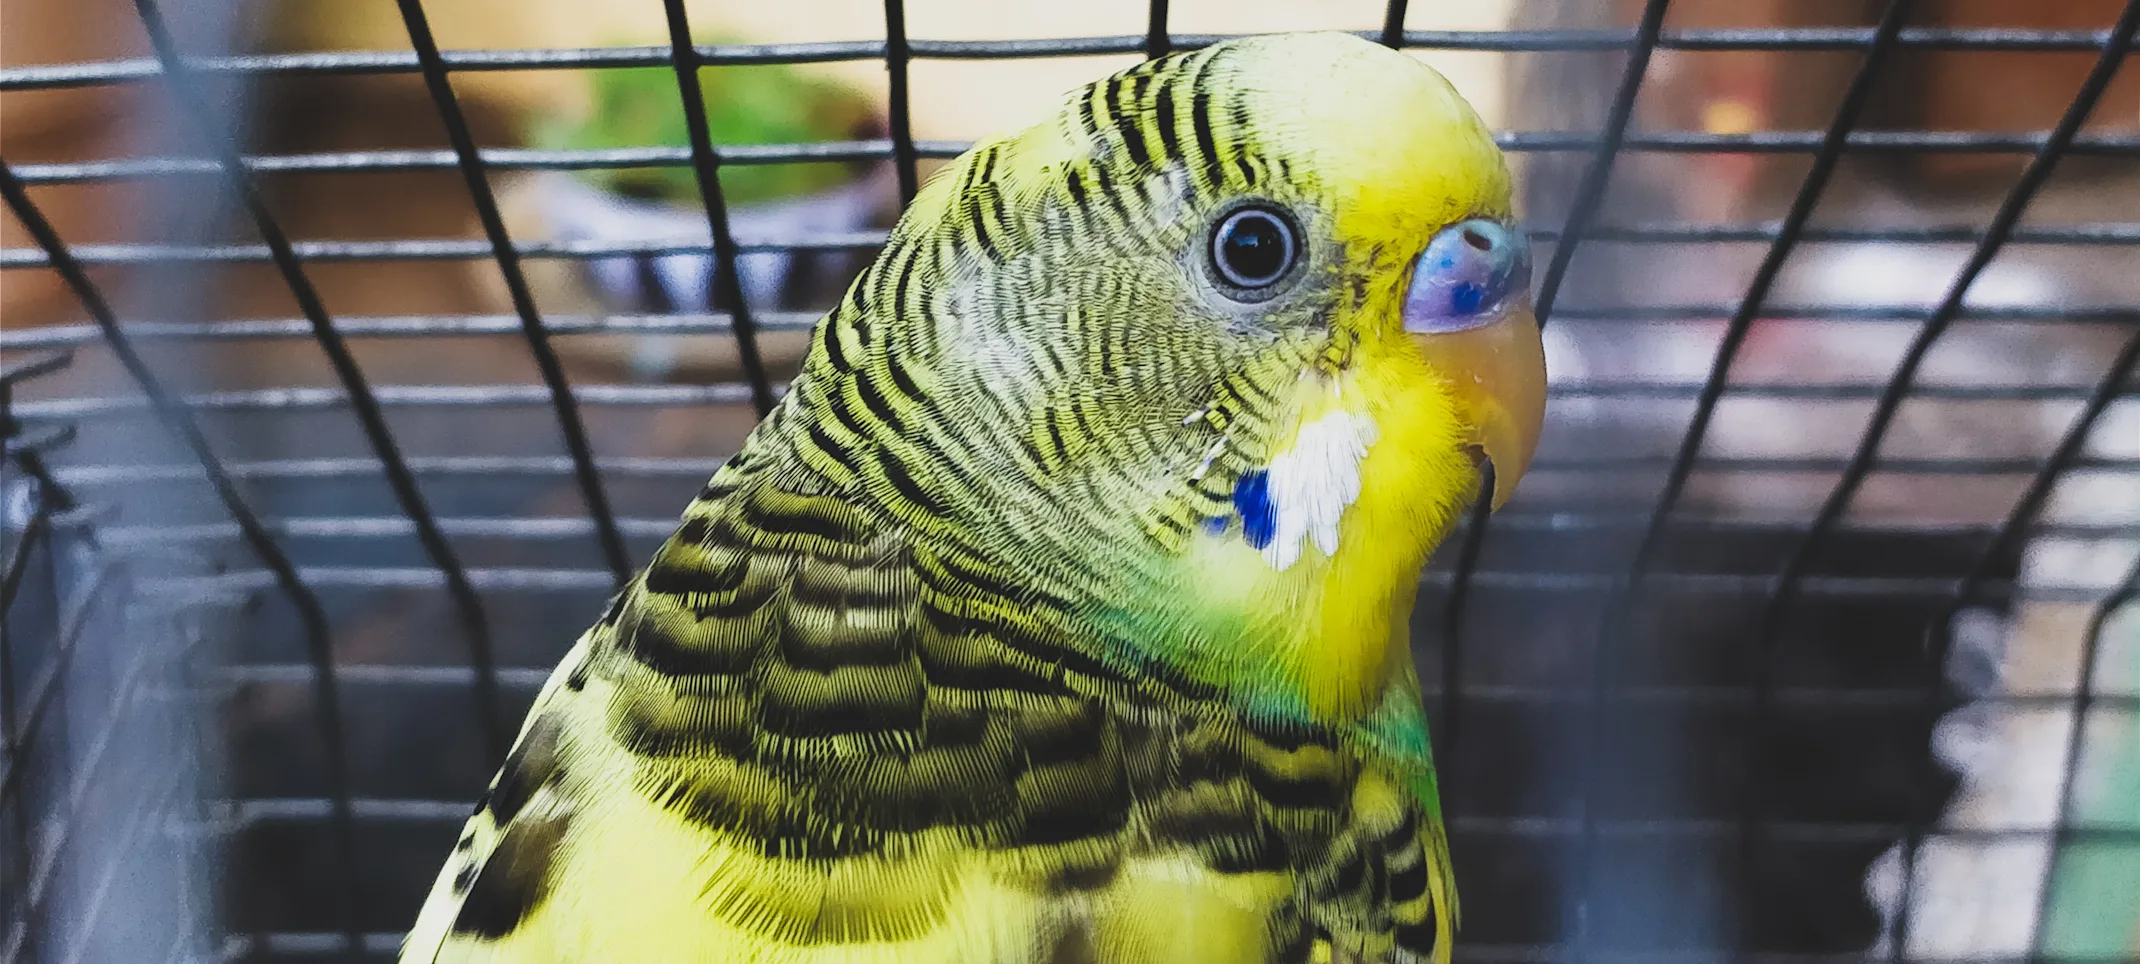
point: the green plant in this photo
(745, 104)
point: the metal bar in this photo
(705, 166)
(717, 323)
(2111, 388)
(22, 371)
(283, 944)
(525, 579)
(44, 691)
(798, 321)
(281, 572)
(93, 763)
(26, 450)
(405, 326)
(191, 741)
(272, 399)
(1831, 512)
(106, 475)
(529, 679)
(424, 250)
(1615, 623)
(1393, 25)
(302, 810)
(814, 152)
(1156, 42)
(493, 158)
(2074, 234)
(377, 62)
(736, 393)
(371, 527)
(2063, 833)
(1806, 142)
(12, 572)
(456, 249)
(1590, 195)
(356, 388)
(516, 285)
(87, 476)
(1742, 319)
(1719, 311)
(561, 528)
(897, 53)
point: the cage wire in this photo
(1708, 689)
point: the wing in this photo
(798, 738)
(1381, 891)
(801, 736)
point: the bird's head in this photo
(1213, 355)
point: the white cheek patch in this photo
(1304, 492)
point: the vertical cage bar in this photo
(1156, 42)
(705, 166)
(362, 402)
(1950, 307)
(1626, 597)
(1742, 319)
(2115, 47)
(2070, 447)
(896, 56)
(1589, 196)
(179, 420)
(2063, 832)
(562, 401)
(32, 463)
(1393, 25)
(17, 875)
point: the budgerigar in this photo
(1058, 612)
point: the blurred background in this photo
(1807, 637)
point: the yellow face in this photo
(1432, 364)
(1405, 165)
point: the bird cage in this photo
(337, 401)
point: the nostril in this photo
(1478, 239)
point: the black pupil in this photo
(1253, 249)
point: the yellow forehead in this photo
(1389, 146)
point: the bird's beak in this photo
(1498, 371)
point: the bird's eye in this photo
(1253, 249)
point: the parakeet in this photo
(1058, 611)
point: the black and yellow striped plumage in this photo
(932, 670)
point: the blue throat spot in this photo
(1252, 498)
(1216, 525)
(1466, 298)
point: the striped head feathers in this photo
(1207, 361)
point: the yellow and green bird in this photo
(1058, 612)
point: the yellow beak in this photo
(1498, 371)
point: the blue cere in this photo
(1252, 498)
(1466, 298)
(1469, 272)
